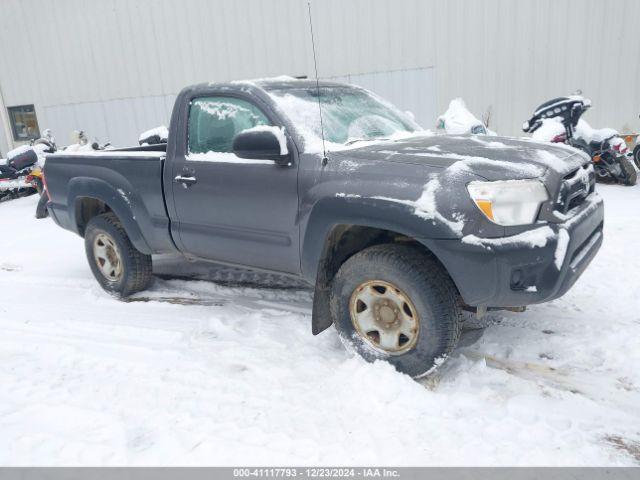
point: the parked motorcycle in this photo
(636, 150)
(559, 121)
(15, 173)
(80, 143)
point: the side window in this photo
(214, 121)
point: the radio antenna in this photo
(315, 65)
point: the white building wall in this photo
(112, 67)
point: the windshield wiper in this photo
(365, 140)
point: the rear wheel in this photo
(630, 174)
(636, 155)
(395, 303)
(116, 264)
(41, 208)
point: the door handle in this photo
(186, 181)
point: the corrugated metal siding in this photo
(413, 90)
(107, 65)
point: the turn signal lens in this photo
(485, 207)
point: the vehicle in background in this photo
(16, 173)
(559, 121)
(398, 229)
(458, 120)
(634, 137)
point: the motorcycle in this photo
(48, 143)
(15, 172)
(21, 174)
(559, 121)
(636, 150)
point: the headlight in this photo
(510, 202)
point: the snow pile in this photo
(11, 154)
(537, 237)
(550, 129)
(590, 134)
(458, 120)
(194, 373)
(158, 135)
(257, 81)
(561, 248)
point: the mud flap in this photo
(321, 315)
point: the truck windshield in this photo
(349, 115)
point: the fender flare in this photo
(382, 214)
(116, 200)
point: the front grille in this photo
(575, 188)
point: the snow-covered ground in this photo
(199, 373)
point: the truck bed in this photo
(128, 181)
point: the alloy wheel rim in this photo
(107, 257)
(384, 317)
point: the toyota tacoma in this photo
(398, 230)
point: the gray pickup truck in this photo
(398, 230)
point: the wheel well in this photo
(345, 241)
(86, 209)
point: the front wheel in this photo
(636, 155)
(395, 303)
(629, 171)
(116, 264)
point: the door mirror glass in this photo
(262, 143)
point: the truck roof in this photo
(272, 83)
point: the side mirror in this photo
(262, 143)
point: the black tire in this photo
(630, 174)
(428, 286)
(636, 154)
(41, 208)
(135, 272)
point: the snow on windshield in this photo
(349, 115)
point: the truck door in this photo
(233, 210)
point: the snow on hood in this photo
(494, 159)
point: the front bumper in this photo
(536, 266)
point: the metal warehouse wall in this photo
(113, 67)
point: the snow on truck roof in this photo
(275, 83)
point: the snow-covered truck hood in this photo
(493, 158)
